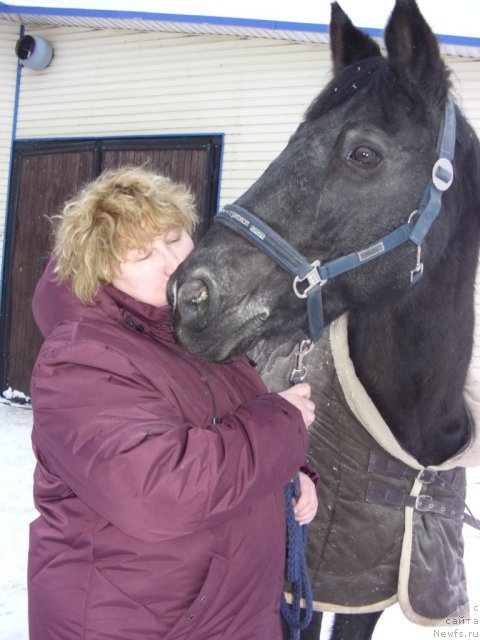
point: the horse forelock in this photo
(374, 81)
(353, 80)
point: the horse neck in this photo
(412, 358)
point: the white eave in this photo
(32, 17)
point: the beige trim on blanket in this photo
(367, 414)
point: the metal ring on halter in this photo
(414, 213)
(313, 278)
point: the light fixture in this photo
(34, 52)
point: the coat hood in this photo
(54, 302)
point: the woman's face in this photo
(144, 274)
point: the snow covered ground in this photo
(16, 511)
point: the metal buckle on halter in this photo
(313, 278)
(417, 272)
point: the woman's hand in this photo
(306, 506)
(299, 396)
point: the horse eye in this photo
(365, 156)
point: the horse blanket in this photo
(387, 529)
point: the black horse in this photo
(358, 169)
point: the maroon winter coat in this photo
(154, 522)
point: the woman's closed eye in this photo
(141, 255)
(173, 236)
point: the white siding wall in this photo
(254, 91)
(120, 83)
(8, 77)
(466, 78)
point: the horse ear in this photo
(413, 51)
(348, 44)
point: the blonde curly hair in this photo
(121, 210)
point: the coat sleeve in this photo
(125, 451)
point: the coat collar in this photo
(54, 302)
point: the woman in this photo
(159, 476)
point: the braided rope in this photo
(296, 571)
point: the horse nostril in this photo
(193, 299)
(193, 292)
(200, 295)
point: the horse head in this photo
(355, 169)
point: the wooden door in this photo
(45, 174)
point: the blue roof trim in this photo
(164, 17)
(275, 25)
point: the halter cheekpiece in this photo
(309, 277)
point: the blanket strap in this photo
(383, 493)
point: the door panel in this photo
(44, 183)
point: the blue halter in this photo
(309, 278)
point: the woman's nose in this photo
(172, 260)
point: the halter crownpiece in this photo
(309, 277)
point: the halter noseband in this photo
(309, 278)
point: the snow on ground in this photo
(16, 511)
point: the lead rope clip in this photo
(299, 371)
